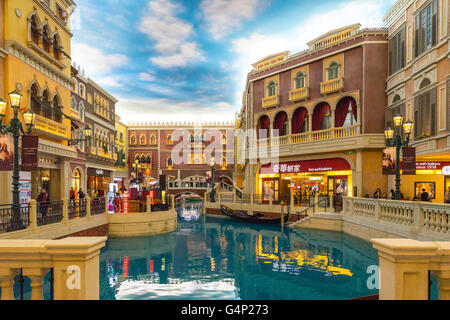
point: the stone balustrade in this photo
(405, 265)
(408, 217)
(74, 262)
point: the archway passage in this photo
(281, 123)
(346, 112)
(300, 120)
(321, 117)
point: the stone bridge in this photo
(198, 191)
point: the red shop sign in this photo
(335, 164)
(430, 165)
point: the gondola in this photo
(258, 218)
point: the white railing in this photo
(312, 136)
(408, 217)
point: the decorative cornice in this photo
(99, 121)
(52, 14)
(99, 88)
(52, 148)
(165, 125)
(396, 11)
(28, 56)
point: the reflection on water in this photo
(190, 211)
(214, 258)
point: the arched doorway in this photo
(76, 180)
(263, 128)
(281, 123)
(346, 113)
(300, 121)
(321, 117)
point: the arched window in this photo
(333, 71)
(263, 127)
(73, 103)
(321, 117)
(56, 110)
(143, 139)
(75, 85)
(281, 123)
(76, 180)
(56, 48)
(46, 39)
(345, 114)
(46, 108)
(35, 102)
(148, 159)
(396, 98)
(143, 159)
(137, 157)
(34, 30)
(425, 82)
(133, 139)
(81, 110)
(271, 89)
(153, 139)
(299, 80)
(82, 90)
(169, 162)
(169, 139)
(192, 138)
(300, 121)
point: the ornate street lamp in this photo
(213, 187)
(398, 138)
(87, 134)
(137, 167)
(16, 129)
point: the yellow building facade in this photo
(418, 88)
(121, 150)
(37, 41)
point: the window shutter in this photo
(403, 48)
(388, 118)
(433, 100)
(391, 69)
(417, 34)
(416, 117)
(434, 23)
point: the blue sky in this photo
(169, 60)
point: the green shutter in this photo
(417, 35)
(433, 100)
(434, 23)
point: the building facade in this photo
(155, 146)
(320, 112)
(37, 64)
(418, 88)
(121, 150)
(100, 154)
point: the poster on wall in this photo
(389, 161)
(409, 161)
(6, 153)
(30, 153)
(24, 187)
(430, 188)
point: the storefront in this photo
(433, 176)
(305, 178)
(98, 180)
(48, 179)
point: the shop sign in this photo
(6, 153)
(24, 187)
(99, 172)
(335, 164)
(30, 153)
(125, 202)
(409, 161)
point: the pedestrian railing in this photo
(13, 218)
(125, 205)
(98, 206)
(77, 208)
(49, 212)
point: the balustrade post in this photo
(106, 205)
(6, 283)
(36, 276)
(33, 214)
(251, 198)
(443, 278)
(88, 207)
(219, 198)
(149, 204)
(378, 209)
(65, 210)
(172, 201)
(292, 203)
(234, 197)
(418, 217)
(270, 200)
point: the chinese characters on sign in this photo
(30, 153)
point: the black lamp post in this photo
(15, 128)
(87, 133)
(402, 132)
(212, 195)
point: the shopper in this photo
(43, 201)
(81, 194)
(377, 194)
(424, 196)
(447, 196)
(392, 194)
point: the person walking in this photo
(392, 194)
(43, 202)
(377, 194)
(81, 194)
(447, 196)
(424, 196)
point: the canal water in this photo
(218, 258)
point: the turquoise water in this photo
(216, 258)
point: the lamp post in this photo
(136, 166)
(87, 133)
(212, 195)
(15, 128)
(398, 138)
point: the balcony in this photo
(50, 127)
(271, 101)
(332, 86)
(299, 94)
(75, 114)
(101, 153)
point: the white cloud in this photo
(170, 34)
(168, 110)
(258, 45)
(146, 76)
(222, 16)
(94, 61)
(110, 81)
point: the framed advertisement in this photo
(6, 153)
(429, 187)
(389, 161)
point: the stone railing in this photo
(272, 101)
(312, 136)
(409, 218)
(405, 265)
(72, 262)
(331, 85)
(45, 125)
(299, 94)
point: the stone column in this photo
(65, 210)
(33, 214)
(357, 179)
(36, 276)
(88, 206)
(443, 278)
(6, 283)
(76, 267)
(404, 265)
(106, 204)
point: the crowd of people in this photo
(424, 195)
